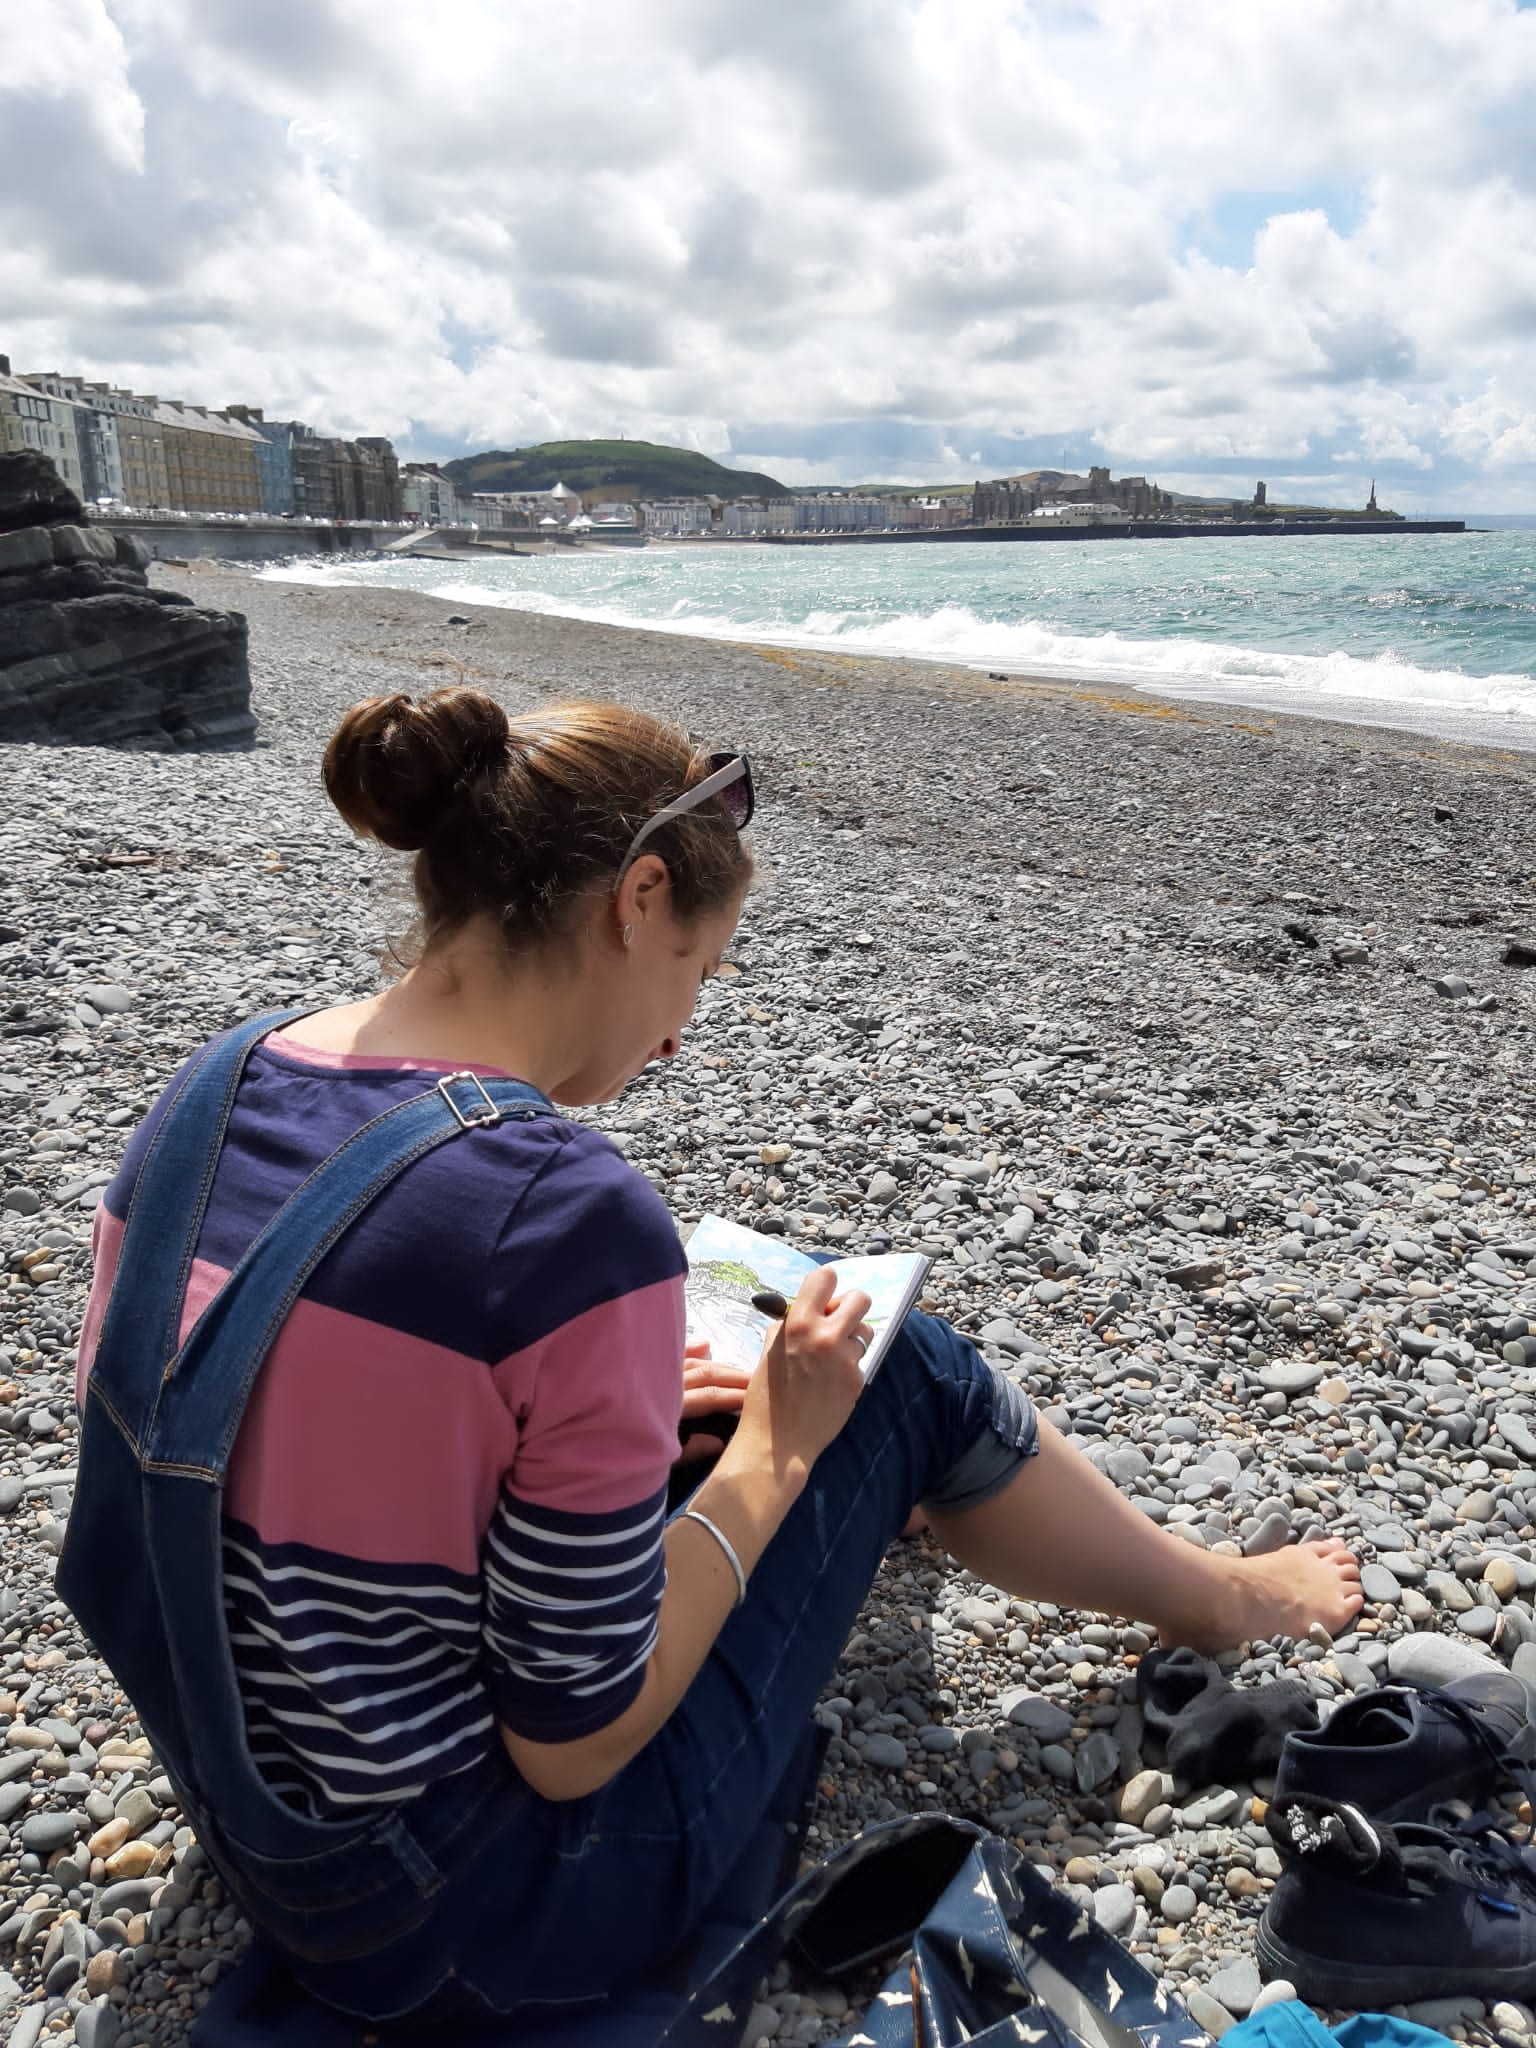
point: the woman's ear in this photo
(645, 891)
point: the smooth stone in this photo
(1273, 1533)
(1042, 1718)
(884, 1751)
(1292, 1376)
(1379, 1586)
(21, 1201)
(1179, 1904)
(1434, 1660)
(97, 2026)
(1140, 1794)
(1209, 2012)
(1479, 1622)
(45, 1832)
(1441, 2013)
(1114, 1907)
(1500, 1576)
(108, 997)
(1518, 1434)
(1278, 1991)
(28, 2028)
(1236, 1986)
(1404, 1568)
(1478, 1507)
(1097, 1759)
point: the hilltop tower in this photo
(1370, 503)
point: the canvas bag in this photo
(998, 1954)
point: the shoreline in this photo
(1490, 733)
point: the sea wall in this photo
(255, 540)
(1138, 529)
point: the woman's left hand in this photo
(710, 1387)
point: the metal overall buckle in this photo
(473, 1119)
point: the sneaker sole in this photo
(1358, 1987)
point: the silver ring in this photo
(862, 1342)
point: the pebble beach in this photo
(1194, 1043)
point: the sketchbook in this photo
(728, 1264)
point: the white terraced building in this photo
(30, 418)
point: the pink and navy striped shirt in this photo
(445, 1504)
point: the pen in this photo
(768, 1302)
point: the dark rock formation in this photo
(32, 493)
(89, 654)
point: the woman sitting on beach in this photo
(483, 1727)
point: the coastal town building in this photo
(1010, 500)
(210, 460)
(824, 511)
(336, 479)
(429, 496)
(557, 506)
(140, 444)
(274, 458)
(31, 418)
(679, 518)
(101, 466)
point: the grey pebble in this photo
(885, 1752)
(1379, 1585)
(1209, 2012)
(45, 1832)
(1114, 1907)
(1179, 1904)
(1236, 1986)
(1293, 1376)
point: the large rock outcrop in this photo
(89, 654)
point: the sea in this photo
(1432, 633)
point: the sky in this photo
(838, 240)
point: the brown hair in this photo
(515, 819)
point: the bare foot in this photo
(1282, 1594)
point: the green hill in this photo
(626, 469)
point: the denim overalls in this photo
(478, 1884)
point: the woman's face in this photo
(645, 995)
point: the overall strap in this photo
(208, 1381)
(165, 1216)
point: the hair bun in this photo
(395, 764)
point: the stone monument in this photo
(89, 653)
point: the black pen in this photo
(769, 1302)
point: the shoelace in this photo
(1488, 1851)
(1473, 1715)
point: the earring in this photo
(628, 933)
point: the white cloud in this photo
(831, 238)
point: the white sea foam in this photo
(1337, 683)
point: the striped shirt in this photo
(446, 1499)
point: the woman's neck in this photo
(461, 1006)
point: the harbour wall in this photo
(255, 540)
(1139, 529)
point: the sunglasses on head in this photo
(729, 778)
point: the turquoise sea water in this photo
(1433, 632)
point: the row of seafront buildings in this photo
(150, 454)
(823, 511)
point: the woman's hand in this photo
(804, 1390)
(710, 1387)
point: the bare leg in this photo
(1060, 1531)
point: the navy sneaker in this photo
(1397, 1752)
(1364, 1915)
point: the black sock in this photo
(1212, 1731)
